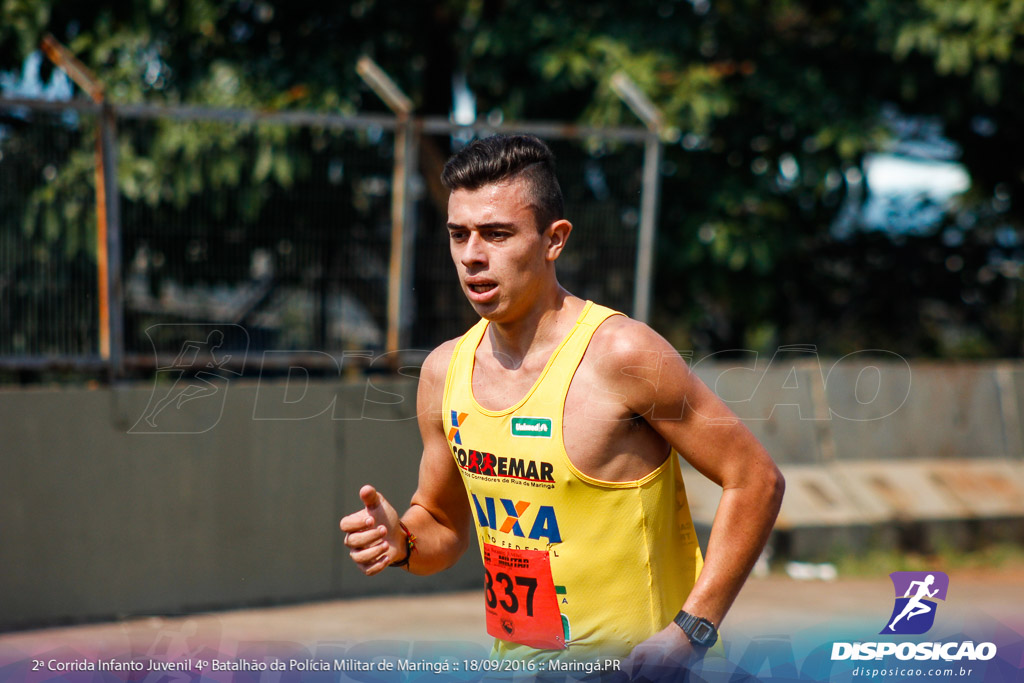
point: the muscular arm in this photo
(660, 387)
(439, 515)
(719, 446)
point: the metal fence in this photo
(286, 226)
(48, 304)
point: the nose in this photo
(473, 252)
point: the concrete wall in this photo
(102, 516)
(877, 451)
(233, 494)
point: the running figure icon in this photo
(191, 357)
(189, 393)
(916, 604)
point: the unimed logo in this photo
(531, 426)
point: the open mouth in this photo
(481, 289)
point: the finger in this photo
(369, 496)
(357, 521)
(375, 567)
(365, 539)
(370, 555)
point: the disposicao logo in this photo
(913, 614)
(531, 426)
(916, 593)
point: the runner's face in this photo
(503, 261)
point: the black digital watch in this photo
(699, 630)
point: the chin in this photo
(490, 312)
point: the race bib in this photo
(519, 598)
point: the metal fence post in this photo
(111, 201)
(402, 239)
(400, 267)
(645, 110)
(648, 221)
(108, 208)
(406, 304)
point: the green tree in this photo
(771, 108)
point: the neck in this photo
(543, 327)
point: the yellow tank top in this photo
(620, 557)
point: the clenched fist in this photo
(373, 535)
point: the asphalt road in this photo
(772, 605)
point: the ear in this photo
(557, 235)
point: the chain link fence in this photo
(48, 303)
(280, 226)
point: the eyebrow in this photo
(483, 226)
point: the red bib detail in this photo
(519, 598)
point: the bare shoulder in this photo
(627, 339)
(433, 374)
(437, 361)
(633, 361)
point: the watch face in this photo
(704, 633)
(700, 631)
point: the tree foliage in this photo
(772, 109)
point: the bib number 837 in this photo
(506, 585)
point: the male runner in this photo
(549, 432)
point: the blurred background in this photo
(222, 258)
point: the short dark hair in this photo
(504, 157)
